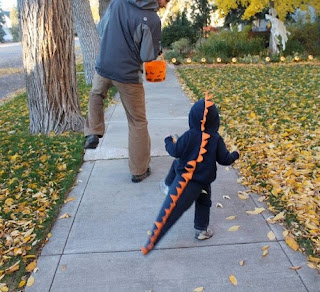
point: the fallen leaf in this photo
(30, 281)
(292, 243)
(312, 265)
(243, 196)
(241, 263)
(314, 260)
(31, 266)
(13, 268)
(69, 200)
(219, 205)
(265, 253)
(295, 268)
(231, 217)
(271, 235)
(199, 289)
(66, 215)
(279, 216)
(285, 233)
(63, 267)
(265, 247)
(256, 211)
(22, 283)
(234, 228)
(261, 199)
(227, 197)
(233, 280)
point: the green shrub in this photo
(169, 54)
(182, 46)
(227, 44)
(304, 38)
(179, 27)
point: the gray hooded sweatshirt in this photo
(129, 35)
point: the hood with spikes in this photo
(196, 116)
(145, 4)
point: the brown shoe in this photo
(141, 177)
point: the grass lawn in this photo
(36, 174)
(271, 113)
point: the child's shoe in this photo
(163, 187)
(203, 234)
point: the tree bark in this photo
(88, 36)
(49, 64)
(103, 5)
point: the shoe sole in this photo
(142, 177)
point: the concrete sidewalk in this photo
(98, 247)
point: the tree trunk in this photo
(103, 5)
(88, 36)
(49, 64)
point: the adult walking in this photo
(129, 35)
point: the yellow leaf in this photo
(265, 253)
(8, 201)
(69, 200)
(30, 281)
(279, 216)
(265, 247)
(234, 228)
(312, 265)
(66, 215)
(49, 235)
(241, 263)
(314, 260)
(13, 268)
(62, 166)
(256, 211)
(233, 280)
(292, 243)
(4, 288)
(199, 289)
(31, 266)
(243, 196)
(21, 284)
(285, 233)
(271, 235)
(231, 217)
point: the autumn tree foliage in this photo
(252, 7)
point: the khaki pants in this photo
(133, 100)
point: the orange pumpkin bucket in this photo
(156, 70)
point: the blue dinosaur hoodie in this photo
(187, 147)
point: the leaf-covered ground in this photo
(36, 173)
(271, 113)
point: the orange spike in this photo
(205, 136)
(183, 184)
(192, 163)
(187, 176)
(200, 158)
(203, 151)
(204, 143)
(209, 103)
(144, 250)
(158, 224)
(208, 97)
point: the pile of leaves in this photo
(271, 113)
(36, 173)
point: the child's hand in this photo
(175, 138)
